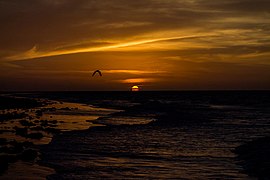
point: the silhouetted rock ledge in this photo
(254, 156)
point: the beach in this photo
(121, 135)
(27, 123)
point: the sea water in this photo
(158, 135)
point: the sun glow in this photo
(135, 88)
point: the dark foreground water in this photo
(159, 135)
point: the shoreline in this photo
(137, 123)
(254, 156)
(22, 136)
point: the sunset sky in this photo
(155, 44)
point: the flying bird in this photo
(96, 71)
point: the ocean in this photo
(153, 135)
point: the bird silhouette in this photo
(96, 71)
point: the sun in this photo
(135, 88)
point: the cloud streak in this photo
(165, 43)
(138, 81)
(53, 24)
(135, 72)
(34, 53)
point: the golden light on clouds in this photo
(138, 72)
(159, 44)
(138, 80)
(35, 53)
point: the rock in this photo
(44, 123)
(27, 144)
(11, 115)
(254, 156)
(17, 148)
(29, 155)
(21, 131)
(36, 121)
(37, 128)
(3, 165)
(4, 160)
(26, 123)
(54, 121)
(39, 113)
(52, 130)
(35, 135)
(66, 109)
(3, 141)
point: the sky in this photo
(56, 45)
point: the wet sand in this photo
(28, 123)
(166, 135)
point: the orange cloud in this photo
(137, 72)
(138, 80)
(34, 53)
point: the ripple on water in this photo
(148, 152)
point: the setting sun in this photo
(135, 88)
(203, 45)
(123, 89)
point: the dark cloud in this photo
(248, 6)
(49, 23)
(223, 39)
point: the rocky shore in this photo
(254, 156)
(27, 123)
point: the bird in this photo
(97, 71)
